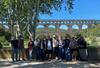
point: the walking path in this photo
(47, 64)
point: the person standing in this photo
(61, 49)
(21, 50)
(37, 49)
(49, 47)
(67, 50)
(74, 48)
(82, 48)
(14, 45)
(42, 49)
(30, 48)
(55, 47)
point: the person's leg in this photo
(19, 52)
(13, 54)
(33, 54)
(59, 53)
(30, 54)
(46, 54)
(78, 56)
(74, 54)
(49, 54)
(56, 53)
(42, 54)
(53, 54)
(69, 54)
(66, 54)
(37, 54)
(51, 51)
(23, 54)
(16, 54)
(63, 53)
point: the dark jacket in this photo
(82, 43)
(21, 42)
(50, 42)
(42, 44)
(14, 43)
(66, 43)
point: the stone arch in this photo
(39, 29)
(75, 29)
(40, 26)
(75, 26)
(52, 29)
(51, 26)
(65, 27)
(84, 26)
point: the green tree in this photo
(2, 31)
(25, 13)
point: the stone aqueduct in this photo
(68, 23)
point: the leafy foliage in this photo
(91, 33)
(2, 31)
(24, 13)
(8, 35)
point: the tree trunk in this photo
(36, 18)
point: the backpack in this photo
(73, 44)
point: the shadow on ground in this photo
(48, 64)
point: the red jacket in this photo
(30, 45)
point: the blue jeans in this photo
(14, 54)
(68, 55)
(37, 50)
(42, 54)
(30, 54)
(61, 53)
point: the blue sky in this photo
(83, 9)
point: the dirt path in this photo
(48, 64)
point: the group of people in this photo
(68, 49)
(18, 51)
(73, 48)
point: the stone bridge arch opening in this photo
(84, 26)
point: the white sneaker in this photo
(56, 58)
(60, 59)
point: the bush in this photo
(2, 31)
(8, 35)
